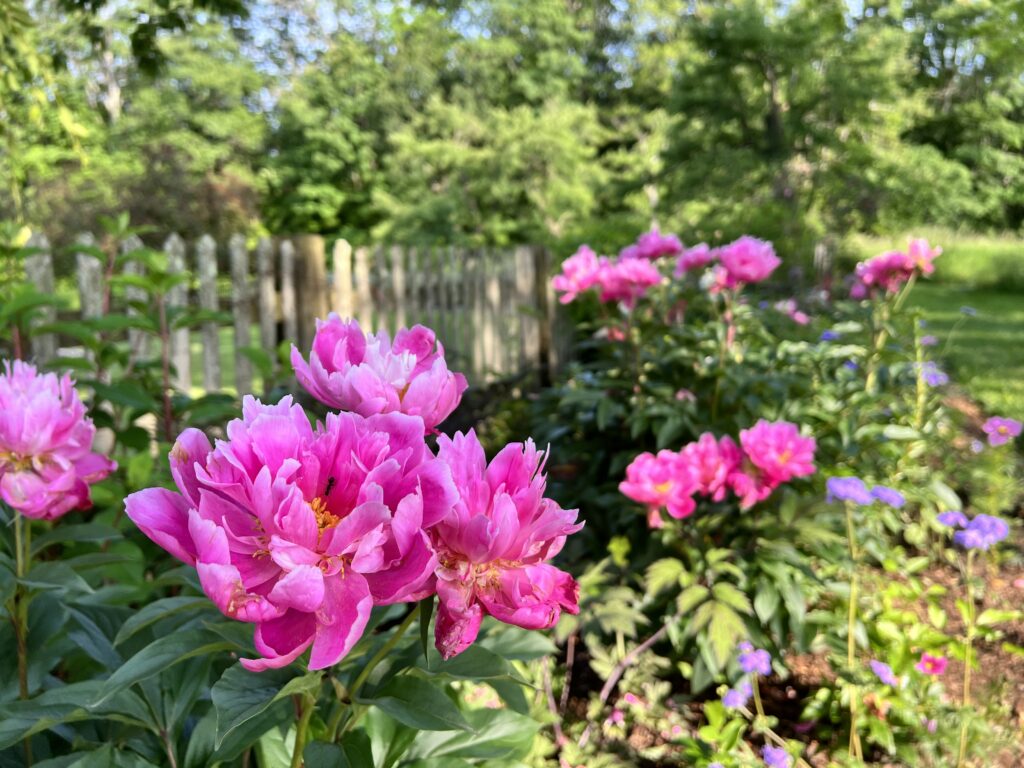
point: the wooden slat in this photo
(398, 285)
(206, 261)
(138, 341)
(526, 309)
(39, 271)
(177, 297)
(90, 279)
(364, 296)
(241, 311)
(289, 312)
(266, 297)
(343, 300)
(311, 286)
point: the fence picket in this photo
(39, 271)
(289, 312)
(206, 260)
(397, 257)
(363, 309)
(342, 303)
(177, 297)
(266, 298)
(241, 311)
(90, 279)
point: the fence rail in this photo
(493, 309)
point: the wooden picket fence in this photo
(493, 309)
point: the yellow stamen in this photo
(663, 487)
(324, 518)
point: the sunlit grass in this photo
(985, 354)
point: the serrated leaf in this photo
(725, 630)
(691, 597)
(727, 593)
(663, 574)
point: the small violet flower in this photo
(830, 336)
(931, 665)
(775, 757)
(737, 697)
(953, 519)
(1001, 430)
(884, 673)
(850, 489)
(889, 496)
(933, 375)
(982, 532)
(929, 341)
(755, 660)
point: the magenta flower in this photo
(299, 531)
(369, 374)
(747, 260)
(579, 273)
(775, 453)
(626, 280)
(652, 245)
(46, 458)
(662, 481)
(711, 462)
(931, 665)
(889, 271)
(1001, 430)
(697, 257)
(493, 545)
(922, 255)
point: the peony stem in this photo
(308, 706)
(19, 617)
(377, 658)
(968, 655)
(851, 631)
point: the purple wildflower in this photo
(830, 336)
(982, 532)
(929, 341)
(884, 673)
(848, 489)
(755, 660)
(889, 496)
(1001, 430)
(775, 757)
(738, 697)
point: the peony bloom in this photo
(775, 453)
(755, 660)
(493, 545)
(711, 462)
(46, 458)
(369, 374)
(627, 280)
(982, 532)
(884, 673)
(579, 274)
(301, 531)
(662, 481)
(697, 257)
(652, 245)
(931, 665)
(1001, 430)
(921, 255)
(747, 260)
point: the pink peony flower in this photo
(46, 458)
(301, 531)
(493, 545)
(662, 481)
(694, 258)
(368, 374)
(931, 665)
(579, 274)
(712, 462)
(627, 280)
(652, 245)
(775, 453)
(922, 255)
(889, 271)
(747, 260)
(1001, 430)
(789, 308)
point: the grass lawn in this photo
(985, 354)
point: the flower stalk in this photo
(19, 612)
(851, 632)
(968, 655)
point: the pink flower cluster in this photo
(46, 458)
(369, 374)
(769, 454)
(790, 309)
(741, 262)
(301, 530)
(624, 280)
(889, 271)
(652, 246)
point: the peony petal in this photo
(163, 516)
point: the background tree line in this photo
(491, 122)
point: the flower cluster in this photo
(624, 280)
(369, 374)
(768, 455)
(46, 458)
(981, 532)
(652, 246)
(790, 309)
(301, 530)
(747, 260)
(889, 271)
